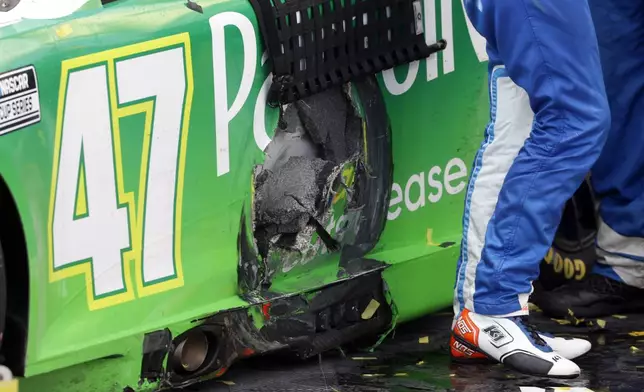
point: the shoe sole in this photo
(491, 360)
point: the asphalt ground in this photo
(415, 358)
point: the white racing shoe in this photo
(512, 342)
(569, 348)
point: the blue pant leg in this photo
(618, 175)
(548, 122)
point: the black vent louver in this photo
(318, 44)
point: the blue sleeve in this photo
(550, 49)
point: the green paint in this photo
(423, 285)
(256, 315)
(317, 273)
(436, 125)
(394, 317)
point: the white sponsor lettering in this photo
(421, 188)
(392, 84)
(447, 32)
(259, 117)
(396, 197)
(463, 348)
(451, 187)
(478, 42)
(18, 107)
(463, 327)
(224, 114)
(19, 104)
(432, 185)
(14, 84)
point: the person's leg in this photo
(618, 175)
(548, 123)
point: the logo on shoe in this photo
(499, 336)
(461, 348)
(463, 327)
(494, 333)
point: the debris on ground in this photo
(404, 364)
(370, 310)
(533, 308)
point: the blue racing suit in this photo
(618, 175)
(549, 120)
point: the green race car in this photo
(169, 207)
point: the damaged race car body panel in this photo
(303, 325)
(320, 196)
(164, 211)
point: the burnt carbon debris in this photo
(290, 195)
(303, 165)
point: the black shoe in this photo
(596, 296)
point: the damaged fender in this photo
(322, 192)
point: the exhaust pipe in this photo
(191, 353)
(196, 354)
(203, 352)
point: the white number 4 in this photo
(96, 226)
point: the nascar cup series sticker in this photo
(19, 103)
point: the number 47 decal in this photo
(96, 227)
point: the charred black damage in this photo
(155, 348)
(194, 6)
(301, 325)
(326, 319)
(318, 205)
(322, 189)
(307, 165)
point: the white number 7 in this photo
(159, 75)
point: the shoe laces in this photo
(531, 330)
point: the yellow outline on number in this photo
(135, 222)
